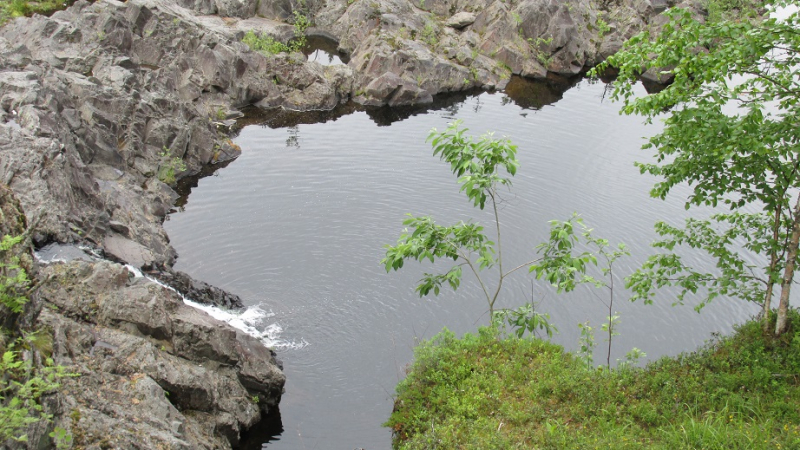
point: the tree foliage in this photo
(732, 132)
(482, 167)
(477, 164)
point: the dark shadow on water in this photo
(269, 429)
(325, 51)
(535, 94)
(185, 185)
(526, 93)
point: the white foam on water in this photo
(249, 320)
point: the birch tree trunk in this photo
(788, 273)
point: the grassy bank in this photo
(739, 392)
(10, 9)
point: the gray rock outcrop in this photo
(152, 371)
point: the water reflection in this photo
(324, 50)
(525, 93)
(259, 435)
(535, 94)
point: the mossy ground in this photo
(738, 392)
(10, 9)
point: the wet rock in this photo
(150, 364)
(130, 252)
(199, 291)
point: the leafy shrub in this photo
(14, 281)
(21, 386)
(170, 167)
(269, 46)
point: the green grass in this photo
(10, 9)
(478, 392)
(268, 46)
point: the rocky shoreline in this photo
(105, 105)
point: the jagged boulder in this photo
(202, 381)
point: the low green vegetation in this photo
(22, 384)
(539, 47)
(10, 9)
(170, 167)
(269, 46)
(26, 370)
(482, 392)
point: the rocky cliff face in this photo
(153, 371)
(104, 105)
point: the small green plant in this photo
(301, 24)
(524, 319)
(632, 358)
(264, 44)
(538, 46)
(268, 46)
(473, 72)
(586, 345)
(170, 167)
(602, 27)
(14, 281)
(482, 167)
(10, 9)
(221, 115)
(21, 386)
(255, 399)
(428, 34)
(62, 438)
(565, 268)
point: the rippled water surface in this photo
(297, 225)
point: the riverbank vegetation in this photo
(730, 132)
(10, 9)
(737, 392)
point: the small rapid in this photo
(253, 320)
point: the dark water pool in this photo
(297, 224)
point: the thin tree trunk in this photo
(773, 262)
(788, 273)
(492, 194)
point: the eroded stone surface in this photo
(163, 372)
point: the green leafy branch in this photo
(731, 132)
(483, 166)
(565, 267)
(734, 275)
